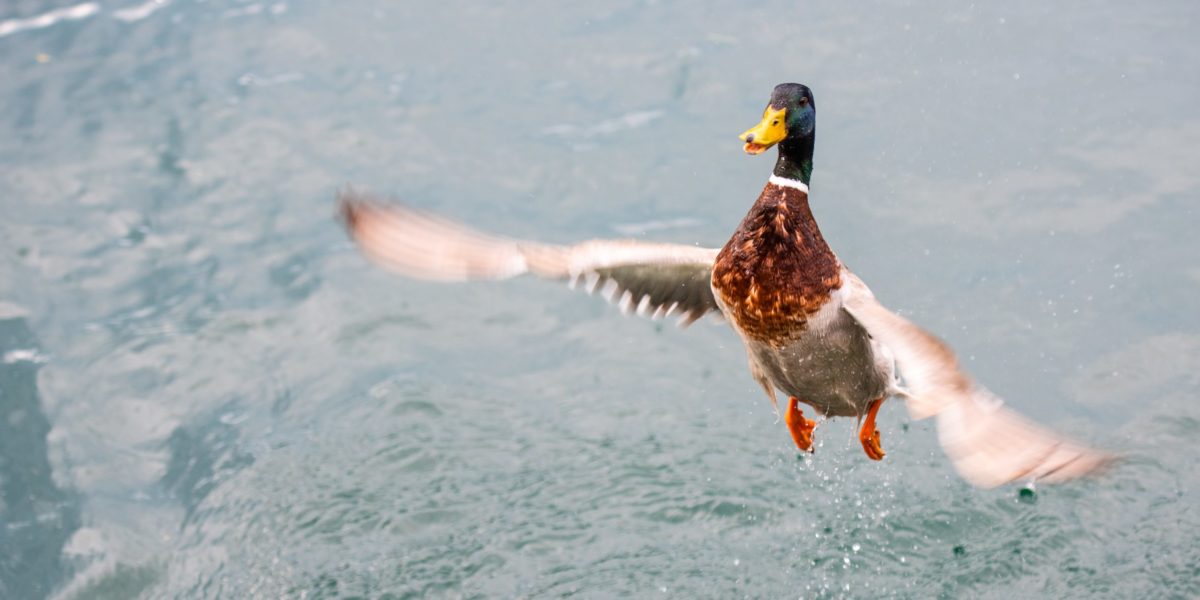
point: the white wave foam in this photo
(141, 11)
(46, 19)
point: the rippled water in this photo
(206, 392)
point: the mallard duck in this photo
(811, 328)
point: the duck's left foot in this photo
(868, 435)
(801, 428)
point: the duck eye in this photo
(803, 101)
(775, 122)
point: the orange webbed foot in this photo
(801, 428)
(868, 435)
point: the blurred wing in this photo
(654, 279)
(989, 444)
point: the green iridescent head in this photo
(789, 120)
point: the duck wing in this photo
(654, 279)
(988, 444)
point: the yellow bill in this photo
(770, 131)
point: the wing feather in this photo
(988, 443)
(655, 279)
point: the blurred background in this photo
(206, 392)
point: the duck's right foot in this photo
(868, 435)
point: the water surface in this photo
(206, 392)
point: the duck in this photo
(811, 328)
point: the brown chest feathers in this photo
(776, 270)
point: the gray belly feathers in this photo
(834, 366)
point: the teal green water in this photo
(205, 392)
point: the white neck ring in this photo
(795, 184)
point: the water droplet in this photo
(1027, 495)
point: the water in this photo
(206, 392)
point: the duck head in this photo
(791, 113)
(789, 120)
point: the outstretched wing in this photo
(653, 279)
(989, 444)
